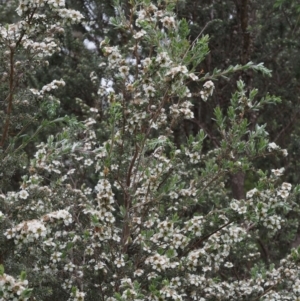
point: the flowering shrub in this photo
(112, 208)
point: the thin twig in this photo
(10, 98)
(286, 127)
(195, 40)
(198, 242)
(207, 132)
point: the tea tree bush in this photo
(112, 208)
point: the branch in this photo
(198, 242)
(10, 98)
(207, 132)
(11, 83)
(286, 127)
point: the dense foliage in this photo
(136, 170)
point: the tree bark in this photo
(237, 185)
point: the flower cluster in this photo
(41, 49)
(70, 16)
(67, 15)
(265, 204)
(14, 289)
(26, 232)
(47, 88)
(208, 89)
(274, 147)
(63, 215)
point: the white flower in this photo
(168, 22)
(163, 59)
(152, 275)
(138, 272)
(10, 233)
(208, 90)
(278, 172)
(193, 76)
(89, 250)
(149, 90)
(296, 286)
(88, 162)
(79, 296)
(119, 262)
(204, 96)
(56, 3)
(146, 62)
(272, 146)
(90, 121)
(284, 152)
(286, 186)
(60, 214)
(56, 256)
(251, 193)
(173, 195)
(23, 194)
(175, 70)
(234, 205)
(139, 34)
(69, 267)
(124, 70)
(209, 85)
(228, 264)
(195, 157)
(283, 193)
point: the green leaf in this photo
(1, 270)
(27, 293)
(23, 275)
